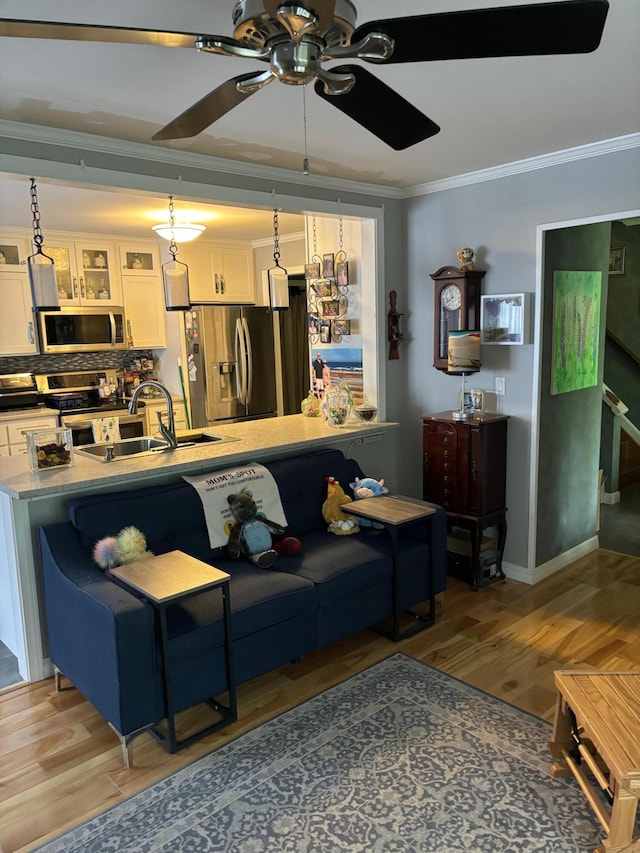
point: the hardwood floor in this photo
(60, 763)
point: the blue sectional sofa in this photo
(104, 639)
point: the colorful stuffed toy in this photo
(250, 535)
(339, 522)
(127, 547)
(367, 487)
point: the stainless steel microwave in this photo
(79, 329)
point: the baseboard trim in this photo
(517, 573)
(610, 498)
(549, 568)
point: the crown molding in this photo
(117, 147)
(89, 142)
(543, 161)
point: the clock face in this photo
(451, 298)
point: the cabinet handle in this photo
(217, 283)
(82, 290)
(74, 286)
(30, 333)
(222, 284)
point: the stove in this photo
(76, 396)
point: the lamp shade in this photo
(463, 352)
(175, 279)
(278, 289)
(179, 232)
(44, 287)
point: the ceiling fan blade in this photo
(380, 109)
(568, 26)
(207, 110)
(94, 32)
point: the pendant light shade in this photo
(175, 279)
(177, 232)
(278, 276)
(278, 289)
(42, 273)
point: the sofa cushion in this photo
(259, 599)
(339, 565)
(303, 494)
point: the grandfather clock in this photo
(456, 308)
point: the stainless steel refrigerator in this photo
(231, 364)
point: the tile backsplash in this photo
(61, 362)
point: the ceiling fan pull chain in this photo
(305, 161)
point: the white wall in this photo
(500, 220)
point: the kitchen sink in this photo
(144, 445)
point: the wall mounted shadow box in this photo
(506, 319)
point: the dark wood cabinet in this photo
(464, 471)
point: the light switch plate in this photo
(500, 386)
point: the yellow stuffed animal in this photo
(339, 522)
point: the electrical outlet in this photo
(500, 386)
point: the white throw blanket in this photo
(215, 487)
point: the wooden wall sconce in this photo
(394, 333)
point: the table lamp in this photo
(463, 358)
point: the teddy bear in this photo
(251, 533)
(367, 487)
(465, 256)
(127, 547)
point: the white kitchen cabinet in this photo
(220, 274)
(159, 404)
(17, 327)
(86, 272)
(143, 297)
(14, 429)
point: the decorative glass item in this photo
(50, 449)
(365, 411)
(310, 406)
(337, 405)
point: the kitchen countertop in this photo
(267, 438)
(33, 412)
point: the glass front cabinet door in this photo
(86, 273)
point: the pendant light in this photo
(177, 232)
(278, 276)
(175, 277)
(42, 273)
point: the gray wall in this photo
(499, 219)
(569, 454)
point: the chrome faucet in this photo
(167, 432)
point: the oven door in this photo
(131, 426)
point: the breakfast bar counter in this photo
(28, 500)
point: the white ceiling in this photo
(491, 111)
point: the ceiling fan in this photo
(295, 39)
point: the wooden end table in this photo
(394, 511)
(163, 580)
(599, 713)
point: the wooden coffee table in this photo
(394, 511)
(598, 720)
(163, 580)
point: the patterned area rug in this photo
(397, 758)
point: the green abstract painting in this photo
(576, 324)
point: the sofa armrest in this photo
(100, 636)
